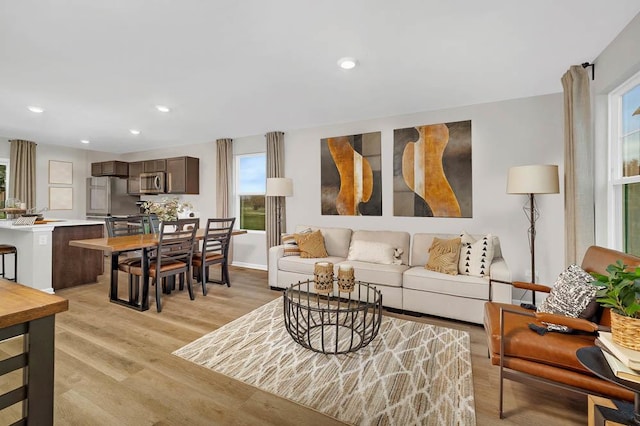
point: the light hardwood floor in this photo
(114, 366)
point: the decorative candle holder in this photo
(323, 277)
(346, 278)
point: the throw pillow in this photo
(443, 256)
(311, 244)
(570, 296)
(371, 251)
(290, 246)
(475, 256)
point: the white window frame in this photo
(238, 194)
(616, 178)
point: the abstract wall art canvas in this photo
(432, 170)
(350, 178)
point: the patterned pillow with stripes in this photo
(290, 246)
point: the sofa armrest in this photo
(275, 253)
(574, 323)
(531, 286)
(499, 271)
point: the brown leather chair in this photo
(524, 355)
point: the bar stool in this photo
(9, 249)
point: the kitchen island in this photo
(45, 260)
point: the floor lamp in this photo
(279, 188)
(531, 180)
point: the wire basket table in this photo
(333, 324)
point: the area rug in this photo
(411, 373)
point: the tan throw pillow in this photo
(290, 246)
(443, 256)
(311, 245)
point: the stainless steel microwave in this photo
(152, 183)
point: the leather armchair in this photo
(524, 355)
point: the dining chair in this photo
(172, 257)
(215, 250)
(127, 225)
(153, 223)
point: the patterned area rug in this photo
(411, 373)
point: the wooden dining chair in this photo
(121, 226)
(173, 256)
(215, 251)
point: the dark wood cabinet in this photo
(73, 266)
(155, 166)
(183, 175)
(133, 183)
(110, 168)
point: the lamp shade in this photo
(279, 187)
(535, 179)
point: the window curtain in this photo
(23, 172)
(579, 198)
(224, 169)
(275, 168)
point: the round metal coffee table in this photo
(337, 323)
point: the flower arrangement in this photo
(167, 209)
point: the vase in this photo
(625, 331)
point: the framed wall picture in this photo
(60, 198)
(60, 172)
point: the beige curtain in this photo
(223, 178)
(579, 199)
(275, 168)
(22, 178)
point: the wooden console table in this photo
(30, 313)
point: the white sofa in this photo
(407, 286)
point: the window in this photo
(4, 184)
(251, 181)
(624, 105)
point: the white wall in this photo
(616, 64)
(504, 134)
(81, 171)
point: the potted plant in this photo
(167, 209)
(620, 291)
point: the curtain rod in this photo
(593, 69)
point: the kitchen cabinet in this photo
(183, 175)
(110, 168)
(133, 183)
(154, 166)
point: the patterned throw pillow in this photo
(311, 245)
(475, 256)
(570, 296)
(290, 246)
(443, 256)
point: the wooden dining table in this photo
(128, 243)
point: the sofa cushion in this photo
(443, 256)
(304, 266)
(476, 255)
(375, 273)
(572, 296)
(311, 245)
(371, 251)
(336, 240)
(419, 278)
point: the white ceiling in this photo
(239, 68)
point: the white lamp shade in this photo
(535, 179)
(279, 187)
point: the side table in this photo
(592, 359)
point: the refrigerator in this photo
(107, 196)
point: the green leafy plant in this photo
(619, 289)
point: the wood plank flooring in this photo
(114, 366)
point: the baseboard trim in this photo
(250, 265)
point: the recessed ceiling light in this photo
(163, 108)
(134, 131)
(84, 141)
(347, 63)
(35, 109)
